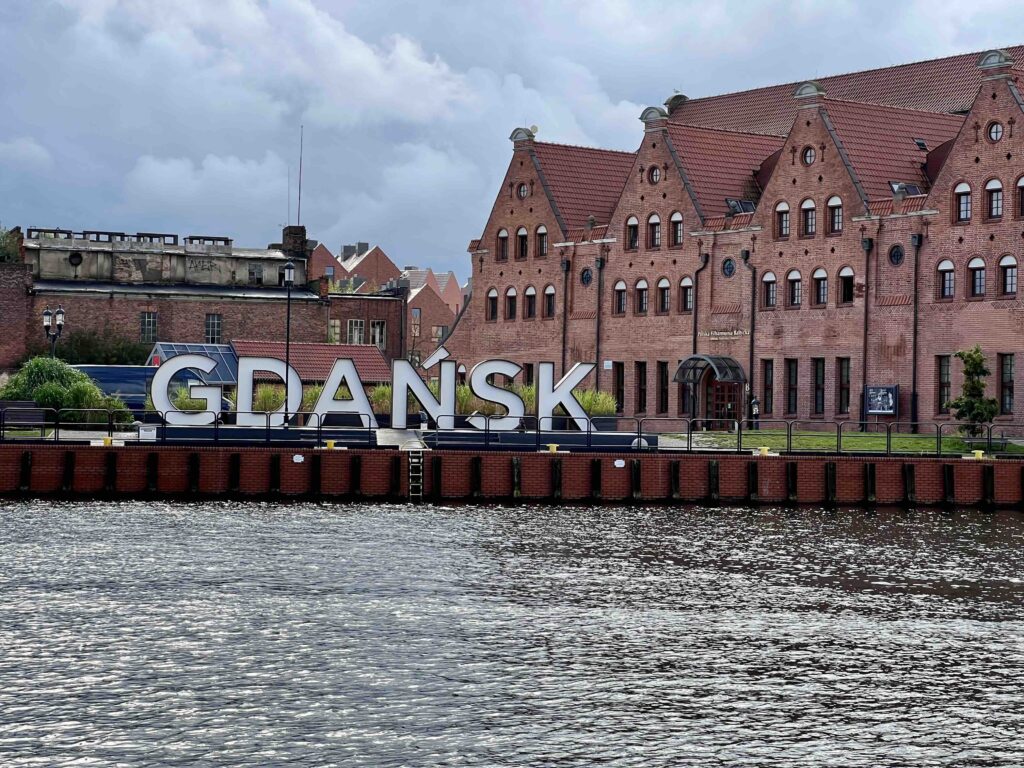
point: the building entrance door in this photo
(723, 403)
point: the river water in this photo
(231, 634)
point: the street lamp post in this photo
(53, 325)
(289, 281)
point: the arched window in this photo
(510, 304)
(769, 294)
(846, 285)
(1020, 197)
(1008, 275)
(529, 303)
(947, 279)
(820, 278)
(835, 215)
(796, 288)
(502, 245)
(542, 241)
(808, 218)
(522, 243)
(654, 231)
(492, 304)
(549, 301)
(976, 273)
(962, 202)
(632, 233)
(664, 296)
(619, 298)
(686, 294)
(994, 199)
(782, 220)
(640, 297)
(676, 222)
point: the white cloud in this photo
(24, 153)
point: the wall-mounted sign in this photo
(607, 365)
(882, 401)
(727, 333)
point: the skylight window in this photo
(910, 190)
(739, 206)
(921, 144)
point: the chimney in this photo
(293, 241)
(347, 252)
(362, 248)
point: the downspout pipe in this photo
(566, 264)
(705, 258)
(868, 245)
(597, 322)
(745, 254)
(917, 240)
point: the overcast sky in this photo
(183, 115)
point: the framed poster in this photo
(883, 401)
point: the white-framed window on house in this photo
(355, 332)
(976, 273)
(994, 199)
(379, 334)
(213, 330)
(962, 202)
(1008, 275)
(148, 327)
(808, 218)
(947, 279)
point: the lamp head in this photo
(47, 318)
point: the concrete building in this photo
(816, 245)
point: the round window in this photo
(586, 276)
(896, 255)
(523, 191)
(728, 267)
(75, 259)
(654, 175)
(995, 131)
(808, 155)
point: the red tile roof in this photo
(879, 141)
(721, 164)
(584, 181)
(938, 85)
(313, 362)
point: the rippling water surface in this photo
(258, 634)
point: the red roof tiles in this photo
(584, 181)
(937, 85)
(313, 362)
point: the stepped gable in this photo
(937, 85)
(721, 164)
(879, 142)
(583, 181)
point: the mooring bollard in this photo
(978, 454)
(330, 445)
(553, 447)
(762, 450)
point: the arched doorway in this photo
(715, 386)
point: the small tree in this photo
(972, 407)
(9, 251)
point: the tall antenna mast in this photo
(299, 217)
(288, 213)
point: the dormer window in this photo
(654, 231)
(994, 199)
(676, 229)
(632, 233)
(782, 220)
(962, 202)
(808, 218)
(835, 215)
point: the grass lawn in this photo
(853, 442)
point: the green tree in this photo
(8, 245)
(972, 407)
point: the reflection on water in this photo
(257, 634)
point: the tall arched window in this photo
(994, 199)
(549, 301)
(835, 215)
(529, 303)
(640, 297)
(522, 243)
(676, 223)
(664, 296)
(686, 294)
(510, 304)
(820, 278)
(962, 202)
(796, 288)
(492, 304)
(619, 298)
(947, 279)
(542, 241)
(808, 218)
(502, 245)
(1008, 275)
(846, 285)
(632, 233)
(1020, 197)
(976, 273)
(782, 220)
(654, 231)
(769, 293)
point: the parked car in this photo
(131, 383)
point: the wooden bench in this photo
(982, 444)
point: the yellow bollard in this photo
(762, 450)
(330, 445)
(978, 454)
(108, 441)
(553, 447)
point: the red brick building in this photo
(800, 243)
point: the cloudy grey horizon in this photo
(183, 116)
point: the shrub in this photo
(380, 398)
(595, 402)
(268, 397)
(183, 402)
(972, 406)
(66, 389)
(312, 393)
(39, 371)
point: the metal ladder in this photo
(415, 475)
